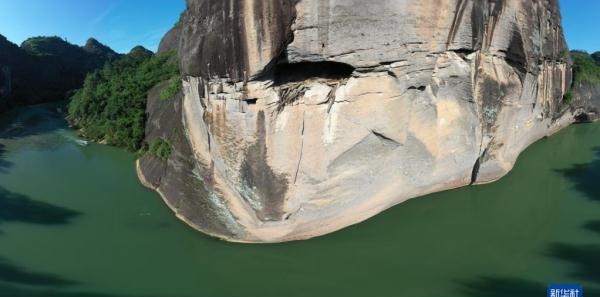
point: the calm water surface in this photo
(74, 222)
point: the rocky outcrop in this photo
(596, 57)
(586, 102)
(170, 42)
(585, 90)
(300, 118)
(45, 69)
(101, 52)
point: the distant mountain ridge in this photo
(46, 69)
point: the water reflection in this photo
(585, 258)
(4, 165)
(585, 177)
(30, 121)
(15, 207)
(31, 127)
(593, 226)
(11, 273)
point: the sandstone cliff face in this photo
(303, 117)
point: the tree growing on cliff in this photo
(586, 68)
(111, 105)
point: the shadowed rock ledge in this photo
(299, 118)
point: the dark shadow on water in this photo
(10, 273)
(17, 281)
(585, 258)
(16, 207)
(593, 226)
(585, 177)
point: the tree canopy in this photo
(111, 105)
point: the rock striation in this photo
(301, 117)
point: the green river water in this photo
(75, 221)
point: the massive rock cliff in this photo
(301, 117)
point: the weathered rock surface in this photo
(300, 118)
(170, 42)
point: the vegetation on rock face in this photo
(181, 16)
(111, 105)
(568, 98)
(171, 89)
(596, 57)
(586, 68)
(586, 78)
(160, 148)
(47, 46)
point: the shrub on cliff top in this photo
(585, 69)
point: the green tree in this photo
(111, 105)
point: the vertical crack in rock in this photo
(301, 147)
(496, 7)
(480, 160)
(475, 171)
(458, 16)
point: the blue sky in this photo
(123, 24)
(581, 22)
(120, 24)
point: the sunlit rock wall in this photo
(304, 117)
